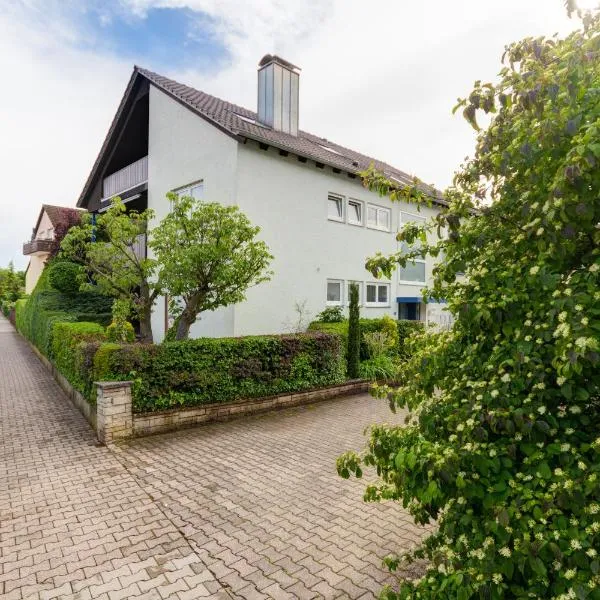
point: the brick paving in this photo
(247, 509)
(74, 524)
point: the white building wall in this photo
(183, 148)
(37, 262)
(288, 200)
(34, 270)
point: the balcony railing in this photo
(126, 178)
(37, 247)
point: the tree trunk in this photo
(187, 318)
(146, 327)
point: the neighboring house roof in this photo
(242, 124)
(58, 215)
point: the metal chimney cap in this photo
(273, 58)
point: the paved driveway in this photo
(246, 509)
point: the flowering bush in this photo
(502, 446)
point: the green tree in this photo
(208, 257)
(12, 283)
(112, 253)
(502, 447)
(353, 354)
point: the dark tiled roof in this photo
(58, 215)
(240, 121)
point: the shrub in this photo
(70, 353)
(380, 368)
(45, 307)
(63, 276)
(216, 370)
(405, 330)
(353, 355)
(399, 331)
(378, 343)
(501, 451)
(331, 314)
(120, 332)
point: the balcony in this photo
(37, 247)
(125, 179)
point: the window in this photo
(195, 190)
(414, 272)
(360, 296)
(378, 294)
(355, 212)
(378, 217)
(335, 208)
(334, 292)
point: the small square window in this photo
(334, 292)
(335, 208)
(378, 294)
(378, 217)
(355, 212)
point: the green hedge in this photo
(37, 315)
(73, 348)
(216, 370)
(404, 329)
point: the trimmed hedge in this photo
(36, 315)
(73, 353)
(397, 330)
(216, 370)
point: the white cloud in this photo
(379, 76)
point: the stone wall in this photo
(169, 420)
(113, 417)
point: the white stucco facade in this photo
(288, 199)
(37, 261)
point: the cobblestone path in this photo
(246, 509)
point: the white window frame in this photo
(186, 190)
(422, 261)
(361, 287)
(379, 209)
(377, 284)
(361, 204)
(339, 302)
(342, 200)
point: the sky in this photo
(378, 76)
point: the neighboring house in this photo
(302, 190)
(52, 221)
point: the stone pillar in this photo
(114, 414)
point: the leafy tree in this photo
(353, 354)
(502, 446)
(109, 251)
(208, 257)
(11, 283)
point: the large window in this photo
(378, 217)
(335, 207)
(334, 292)
(378, 294)
(414, 272)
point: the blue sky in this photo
(174, 37)
(380, 77)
